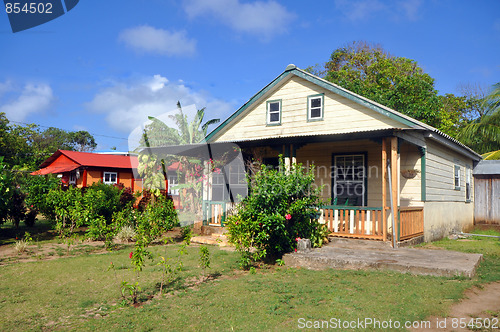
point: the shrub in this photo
(36, 189)
(21, 246)
(281, 206)
(126, 234)
(158, 217)
(30, 218)
(17, 209)
(6, 186)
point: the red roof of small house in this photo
(65, 161)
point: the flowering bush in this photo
(281, 206)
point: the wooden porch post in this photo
(384, 188)
(394, 178)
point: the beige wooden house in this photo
(370, 160)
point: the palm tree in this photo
(483, 134)
(157, 133)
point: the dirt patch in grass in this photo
(48, 251)
(54, 250)
(480, 305)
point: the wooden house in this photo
(487, 192)
(81, 169)
(371, 160)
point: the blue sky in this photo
(106, 65)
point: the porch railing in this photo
(354, 221)
(366, 222)
(215, 212)
(411, 222)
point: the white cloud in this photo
(359, 10)
(264, 19)
(410, 9)
(128, 105)
(19, 103)
(147, 39)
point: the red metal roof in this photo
(54, 170)
(93, 159)
(64, 161)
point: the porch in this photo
(363, 178)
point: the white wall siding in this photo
(440, 170)
(410, 189)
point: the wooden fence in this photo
(366, 223)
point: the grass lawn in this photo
(82, 293)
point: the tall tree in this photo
(158, 133)
(396, 82)
(27, 146)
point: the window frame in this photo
(223, 188)
(363, 182)
(173, 180)
(110, 173)
(320, 96)
(72, 177)
(457, 177)
(468, 184)
(268, 113)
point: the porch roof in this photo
(317, 138)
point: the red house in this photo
(81, 169)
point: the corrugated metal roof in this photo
(487, 167)
(94, 159)
(304, 135)
(55, 170)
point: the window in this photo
(110, 178)
(237, 185)
(172, 182)
(274, 112)
(72, 177)
(315, 107)
(349, 187)
(457, 177)
(468, 191)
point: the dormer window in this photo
(315, 108)
(274, 112)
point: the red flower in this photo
(288, 216)
(260, 224)
(297, 239)
(130, 255)
(295, 249)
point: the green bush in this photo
(36, 189)
(6, 186)
(158, 217)
(281, 207)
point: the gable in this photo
(340, 114)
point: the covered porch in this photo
(364, 178)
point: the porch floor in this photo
(364, 254)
